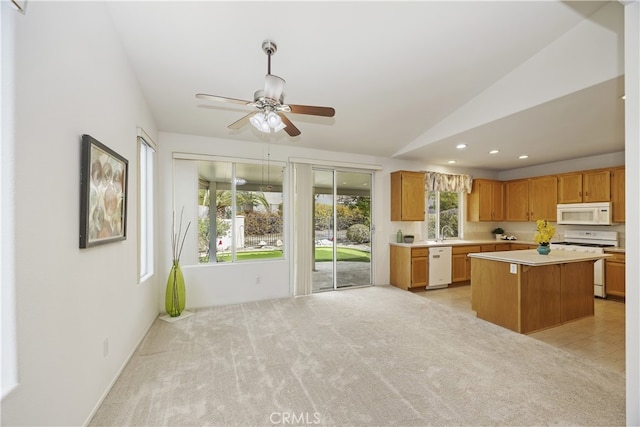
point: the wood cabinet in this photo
(543, 198)
(587, 186)
(521, 246)
(409, 267)
(460, 262)
(407, 196)
(516, 206)
(570, 188)
(614, 274)
(596, 186)
(617, 194)
(531, 298)
(419, 267)
(486, 201)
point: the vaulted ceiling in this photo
(407, 79)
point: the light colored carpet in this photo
(368, 356)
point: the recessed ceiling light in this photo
(461, 146)
(524, 156)
(451, 162)
(494, 151)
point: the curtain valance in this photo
(436, 181)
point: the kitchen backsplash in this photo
(526, 230)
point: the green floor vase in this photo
(175, 295)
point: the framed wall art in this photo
(103, 194)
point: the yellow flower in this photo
(545, 231)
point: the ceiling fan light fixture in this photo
(257, 119)
(273, 119)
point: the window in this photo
(145, 211)
(241, 204)
(443, 213)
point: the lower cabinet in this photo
(461, 263)
(614, 274)
(409, 267)
(521, 246)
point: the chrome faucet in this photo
(442, 235)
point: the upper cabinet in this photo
(587, 186)
(543, 198)
(486, 201)
(407, 196)
(617, 194)
(516, 207)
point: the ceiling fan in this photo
(270, 103)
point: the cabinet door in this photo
(570, 188)
(485, 211)
(614, 278)
(407, 196)
(516, 200)
(543, 198)
(419, 272)
(596, 186)
(617, 194)
(459, 267)
(497, 201)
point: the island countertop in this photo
(532, 258)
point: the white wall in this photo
(71, 77)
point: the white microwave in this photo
(585, 213)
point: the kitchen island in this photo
(526, 292)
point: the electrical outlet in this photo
(105, 348)
(258, 280)
(513, 268)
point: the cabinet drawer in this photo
(465, 249)
(503, 246)
(419, 252)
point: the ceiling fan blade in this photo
(273, 86)
(290, 128)
(222, 99)
(312, 110)
(241, 122)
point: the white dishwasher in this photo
(439, 267)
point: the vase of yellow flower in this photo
(544, 233)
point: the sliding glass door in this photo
(342, 229)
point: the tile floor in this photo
(600, 338)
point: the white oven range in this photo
(592, 242)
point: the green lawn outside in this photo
(323, 254)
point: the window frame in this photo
(147, 150)
(234, 190)
(438, 226)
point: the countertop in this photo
(456, 242)
(533, 258)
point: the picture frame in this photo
(104, 176)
